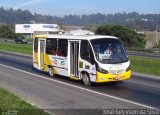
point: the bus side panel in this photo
(59, 64)
(85, 66)
(86, 59)
(47, 62)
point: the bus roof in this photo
(74, 37)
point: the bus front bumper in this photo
(101, 77)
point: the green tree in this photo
(7, 31)
(130, 37)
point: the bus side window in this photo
(62, 47)
(36, 45)
(51, 46)
(86, 51)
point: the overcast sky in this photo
(64, 7)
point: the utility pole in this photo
(32, 32)
(156, 34)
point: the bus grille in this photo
(116, 71)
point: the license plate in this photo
(118, 77)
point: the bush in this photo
(7, 31)
(130, 37)
(157, 45)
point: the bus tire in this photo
(86, 79)
(51, 72)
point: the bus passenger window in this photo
(51, 46)
(62, 47)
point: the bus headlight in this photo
(129, 68)
(101, 70)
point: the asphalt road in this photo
(60, 95)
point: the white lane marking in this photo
(146, 75)
(95, 92)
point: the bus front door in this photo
(74, 53)
(41, 51)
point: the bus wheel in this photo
(85, 79)
(51, 71)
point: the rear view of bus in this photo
(112, 63)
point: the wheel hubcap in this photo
(85, 79)
(50, 71)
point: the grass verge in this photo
(145, 65)
(20, 48)
(13, 105)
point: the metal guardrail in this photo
(153, 50)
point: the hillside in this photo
(140, 22)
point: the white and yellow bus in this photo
(90, 58)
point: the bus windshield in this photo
(109, 51)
